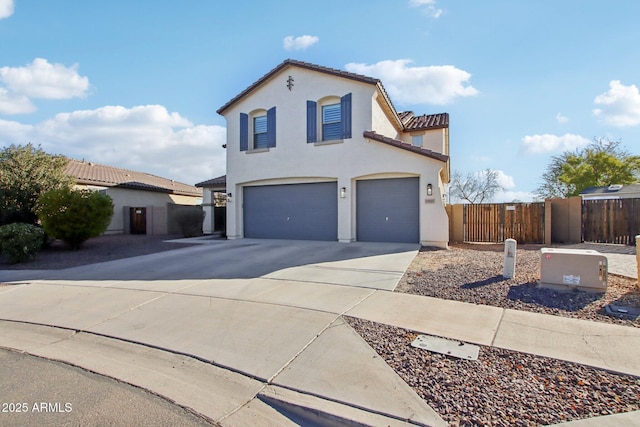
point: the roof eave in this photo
(404, 146)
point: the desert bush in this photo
(74, 216)
(26, 172)
(189, 219)
(20, 242)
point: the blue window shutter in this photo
(312, 127)
(271, 127)
(244, 132)
(345, 107)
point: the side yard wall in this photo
(562, 221)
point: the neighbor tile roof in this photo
(89, 173)
(220, 181)
(405, 146)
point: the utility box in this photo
(582, 269)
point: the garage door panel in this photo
(295, 211)
(388, 210)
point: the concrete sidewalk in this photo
(275, 347)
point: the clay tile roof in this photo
(405, 146)
(94, 174)
(301, 64)
(220, 181)
(405, 117)
(430, 121)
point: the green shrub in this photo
(74, 215)
(189, 219)
(26, 172)
(20, 242)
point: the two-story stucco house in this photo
(321, 154)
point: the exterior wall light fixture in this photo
(429, 190)
(343, 192)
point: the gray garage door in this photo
(388, 210)
(296, 211)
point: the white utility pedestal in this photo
(510, 246)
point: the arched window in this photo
(332, 121)
(258, 129)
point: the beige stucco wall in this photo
(155, 202)
(456, 223)
(566, 220)
(435, 140)
(293, 160)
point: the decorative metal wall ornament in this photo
(290, 82)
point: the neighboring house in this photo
(214, 202)
(142, 202)
(322, 154)
(619, 191)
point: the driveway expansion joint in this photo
(295, 356)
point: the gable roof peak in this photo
(301, 64)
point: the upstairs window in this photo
(334, 120)
(260, 132)
(416, 140)
(331, 125)
(263, 130)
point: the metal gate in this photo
(496, 222)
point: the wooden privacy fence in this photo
(611, 221)
(497, 222)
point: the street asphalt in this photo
(251, 331)
(36, 391)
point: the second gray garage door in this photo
(388, 210)
(295, 211)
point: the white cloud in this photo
(436, 84)
(300, 42)
(428, 7)
(505, 181)
(620, 105)
(14, 104)
(546, 143)
(561, 119)
(144, 138)
(40, 79)
(6, 8)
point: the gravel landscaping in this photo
(502, 387)
(473, 273)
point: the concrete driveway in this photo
(378, 265)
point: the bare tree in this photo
(476, 187)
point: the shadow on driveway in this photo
(215, 259)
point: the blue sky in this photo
(136, 84)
